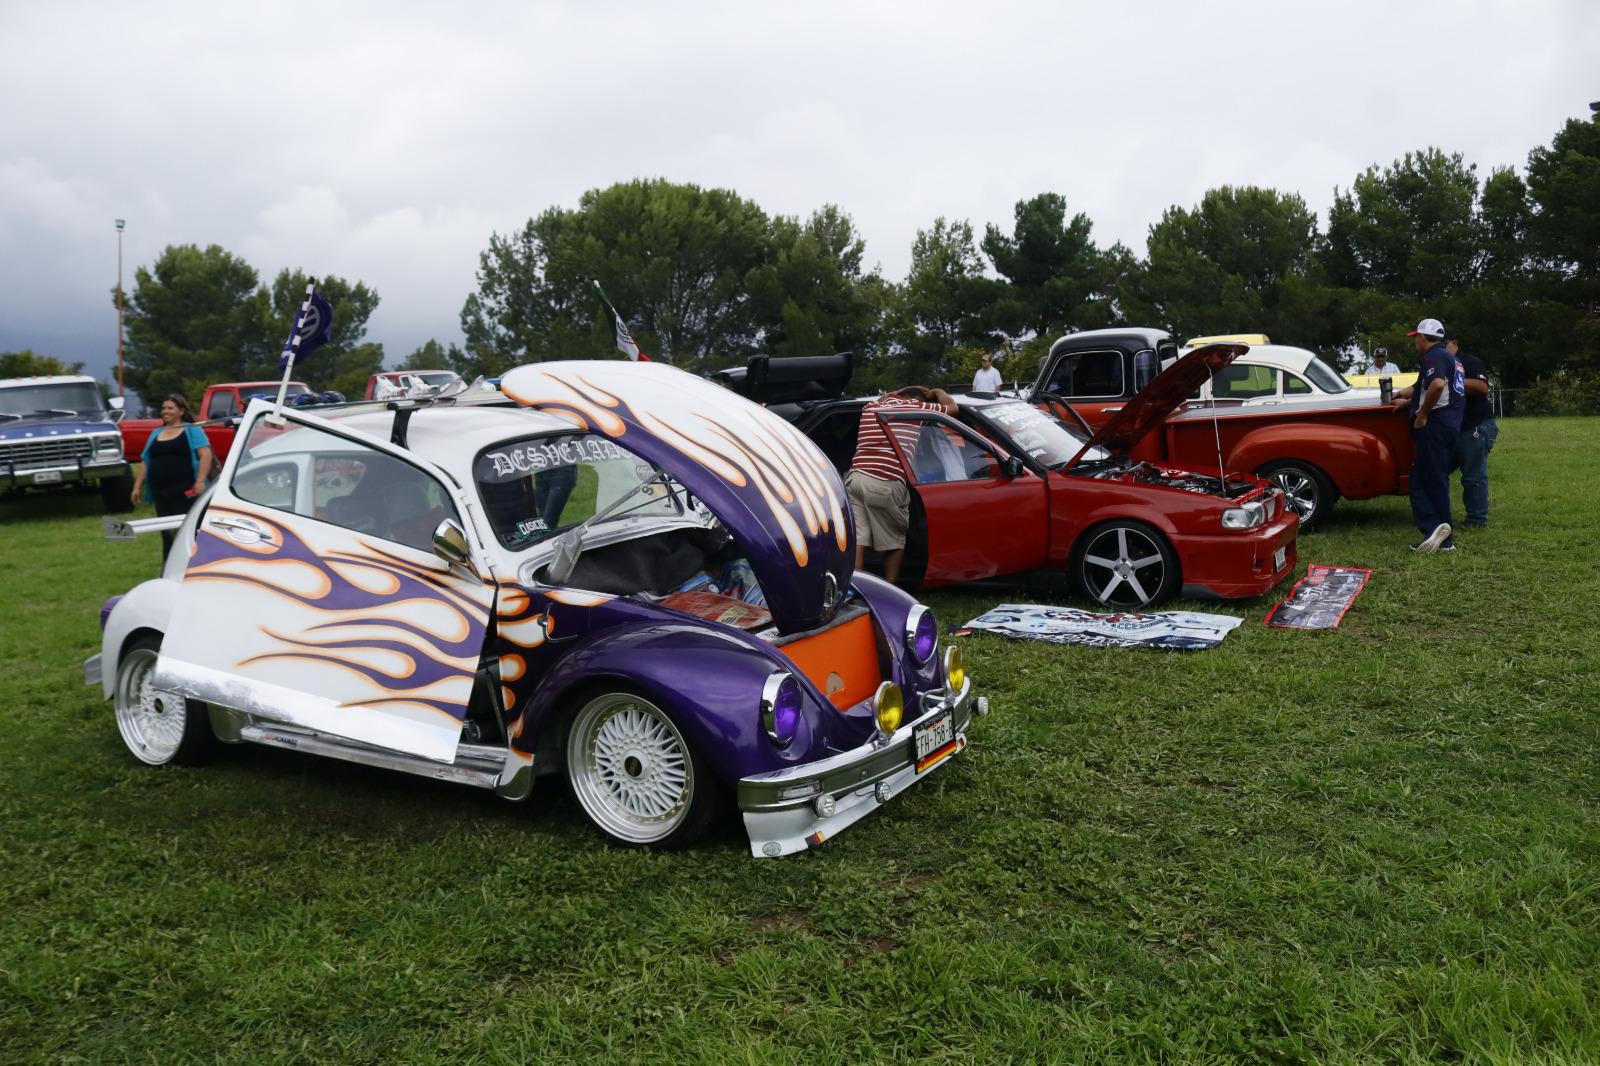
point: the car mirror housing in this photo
(450, 544)
(1011, 466)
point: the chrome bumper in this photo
(91, 670)
(28, 477)
(781, 808)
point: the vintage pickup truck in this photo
(1317, 450)
(56, 432)
(219, 408)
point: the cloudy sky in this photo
(386, 141)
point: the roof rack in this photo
(403, 410)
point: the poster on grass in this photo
(1165, 630)
(1320, 599)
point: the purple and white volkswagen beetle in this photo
(614, 571)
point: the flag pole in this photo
(632, 349)
(291, 348)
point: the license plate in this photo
(47, 477)
(1280, 557)
(933, 740)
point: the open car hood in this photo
(773, 489)
(1168, 392)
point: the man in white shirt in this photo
(987, 379)
(1381, 365)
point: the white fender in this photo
(148, 605)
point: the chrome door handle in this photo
(243, 530)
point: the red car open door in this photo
(986, 513)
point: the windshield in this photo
(1326, 377)
(1043, 437)
(537, 486)
(71, 397)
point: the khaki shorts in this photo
(882, 510)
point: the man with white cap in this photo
(1436, 403)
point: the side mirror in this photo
(116, 413)
(450, 544)
(1011, 466)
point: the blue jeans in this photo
(1471, 457)
(1430, 475)
(550, 491)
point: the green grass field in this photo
(1379, 843)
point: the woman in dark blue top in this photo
(174, 465)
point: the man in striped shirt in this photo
(880, 500)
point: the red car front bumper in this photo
(1234, 565)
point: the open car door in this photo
(987, 513)
(312, 595)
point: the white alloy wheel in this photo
(630, 768)
(151, 723)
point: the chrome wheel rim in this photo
(1299, 490)
(630, 768)
(1123, 567)
(151, 722)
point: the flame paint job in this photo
(407, 634)
(774, 490)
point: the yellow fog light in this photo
(955, 670)
(888, 706)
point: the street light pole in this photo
(121, 389)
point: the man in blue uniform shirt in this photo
(1435, 403)
(1476, 439)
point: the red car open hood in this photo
(1169, 391)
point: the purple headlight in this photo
(922, 633)
(780, 708)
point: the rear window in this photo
(1325, 377)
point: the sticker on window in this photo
(529, 457)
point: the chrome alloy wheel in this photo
(1299, 490)
(151, 722)
(1124, 567)
(630, 768)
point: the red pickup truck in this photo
(219, 410)
(1317, 450)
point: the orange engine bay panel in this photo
(841, 661)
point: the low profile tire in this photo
(1306, 489)
(159, 729)
(1127, 566)
(115, 493)
(635, 774)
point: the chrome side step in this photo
(478, 765)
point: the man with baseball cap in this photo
(1435, 403)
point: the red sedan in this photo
(1004, 487)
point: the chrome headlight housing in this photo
(955, 668)
(922, 634)
(780, 708)
(1249, 516)
(107, 443)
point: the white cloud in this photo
(386, 141)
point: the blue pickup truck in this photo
(56, 432)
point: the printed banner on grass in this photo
(1168, 630)
(1320, 599)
